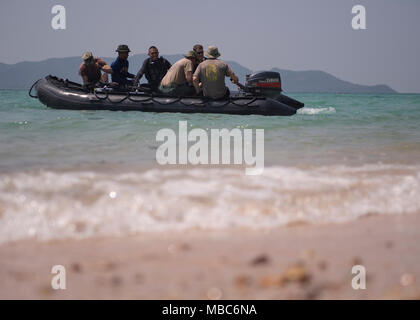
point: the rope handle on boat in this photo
(193, 104)
(30, 90)
(129, 97)
(103, 98)
(243, 104)
(166, 103)
(135, 100)
(107, 97)
(128, 93)
(224, 104)
(178, 99)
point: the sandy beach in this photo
(295, 262)
(278, 160)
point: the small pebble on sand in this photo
(112, 194)
(322, 265)
(242, 281)
(260, 260)
(172, 248)
(184, 247)
(297, 273)
(214, 293)
(47, 290)
(307, 254)
(407, 279)
(116, 281)
(269, 281)
(355, 261)
(76, 267)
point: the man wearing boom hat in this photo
(210, 75)
(120, 67)
(90, 70)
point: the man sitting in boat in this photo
(90, 70)
(119, 67)
(178, 79)
(199, 51)
(210, 75)
(154, 68)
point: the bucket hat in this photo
(123, 48)
(87, 55)
(212, 52)
(190, 54)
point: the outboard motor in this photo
(266, 83)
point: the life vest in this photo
(156, 70)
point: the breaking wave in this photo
(311, 111)
(46, 204)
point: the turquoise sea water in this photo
(332, 128)
(88, 173)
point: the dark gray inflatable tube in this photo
(54, 94)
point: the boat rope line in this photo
(199, 104)
(30, 90)
(103, 95)
(129, 97)
(166, 103)
(243, 104)
(224, 104)
(119, 101)
(100, 98)
(138, 100)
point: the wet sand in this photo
(294, 262)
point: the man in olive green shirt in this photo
(210, 75)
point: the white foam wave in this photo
(311, 111)
(53, 204)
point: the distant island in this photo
(23, 74)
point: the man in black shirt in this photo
(154, 68)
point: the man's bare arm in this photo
(107, 69)
(188, 76)
(85, 79)
(196, 84)
(234, 78)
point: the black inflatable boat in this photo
(261, 95)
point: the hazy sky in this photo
(259, 34)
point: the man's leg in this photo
(104, 77)
(166, 90)
(184, 90)
(227, 94)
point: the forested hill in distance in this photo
(23, 74)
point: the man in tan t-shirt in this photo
(178, 79)
(210, 75)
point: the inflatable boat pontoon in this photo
(261, 95)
